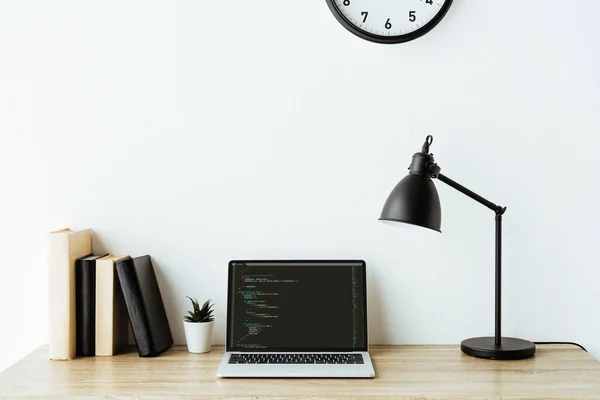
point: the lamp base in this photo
(509, 349)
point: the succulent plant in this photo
(200, 314)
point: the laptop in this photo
(297, 319)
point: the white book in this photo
(66, 247)
(111, 315)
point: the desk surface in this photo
(402, 372)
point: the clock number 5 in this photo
(411, 16)
(365, 14)
(388, 25)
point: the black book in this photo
(85, 306)
(144, 304)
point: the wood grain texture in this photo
(402, 372)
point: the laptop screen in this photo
(297, 306)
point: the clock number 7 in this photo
(365, 14)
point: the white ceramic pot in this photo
(198, 336)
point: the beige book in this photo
(111, 315)
(66, 247)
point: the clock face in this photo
(389, 21)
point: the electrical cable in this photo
(571, 343)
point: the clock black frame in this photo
(388, 39)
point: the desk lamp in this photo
(415, 201)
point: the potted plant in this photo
(198, 325)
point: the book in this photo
(144, 304)
(65, 247)
(112, 331)
(85, 305)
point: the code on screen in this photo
(297, 306)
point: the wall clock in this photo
(389, 21)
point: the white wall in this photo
(204, 131)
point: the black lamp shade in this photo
(414, 201)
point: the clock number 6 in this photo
(388, 25)
(411, 16)
(365, 14)
(346, 2)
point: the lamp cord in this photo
(571, 343)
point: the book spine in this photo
(85, 305)
(105, 295)
(136, 311)
(58, 297)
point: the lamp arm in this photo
(499, 210)
(423, 163)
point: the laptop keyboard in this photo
(296, 358)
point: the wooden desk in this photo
(402, 372)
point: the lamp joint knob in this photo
(428, 142)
